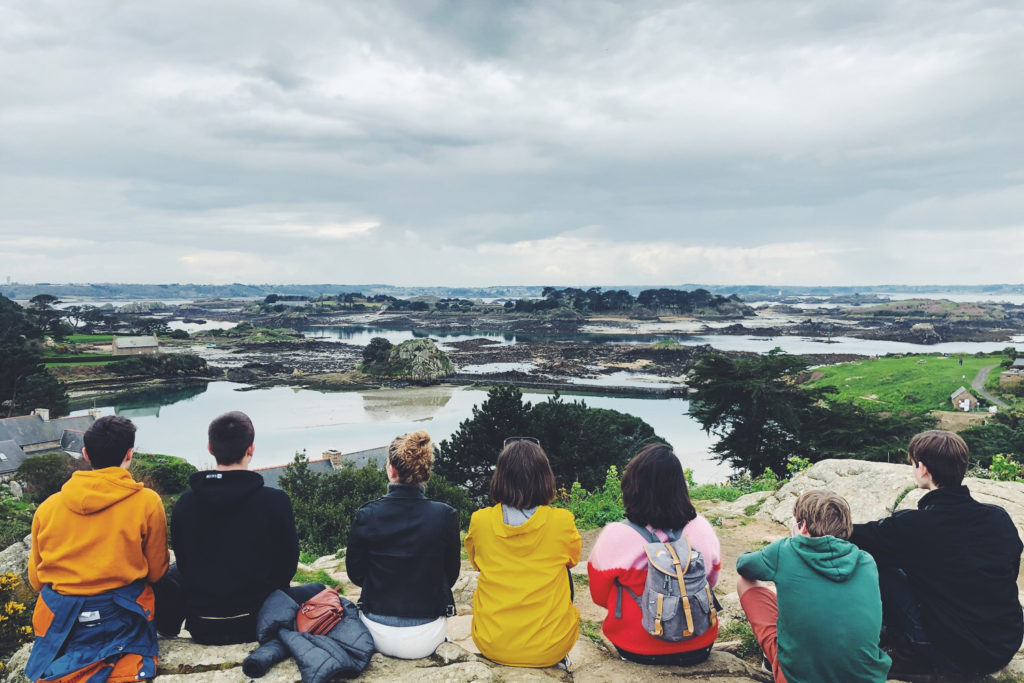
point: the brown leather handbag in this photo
(321, 613)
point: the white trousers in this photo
(406, 642)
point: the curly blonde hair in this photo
(412, 455)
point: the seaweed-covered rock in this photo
(418, 359)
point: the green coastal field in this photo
(919, 383)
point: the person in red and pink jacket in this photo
(655, 495)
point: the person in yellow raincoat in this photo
(522, 608)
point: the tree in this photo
(24, 381)
(376, 352)
(759, 414)
(581, 442)
(762, 417)
(469, 457)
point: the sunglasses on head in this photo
(531, 439)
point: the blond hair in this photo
(825, 513)
(412, 455)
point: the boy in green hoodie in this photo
(825, 623)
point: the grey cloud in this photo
(700, 123)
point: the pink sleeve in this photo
(703, 537)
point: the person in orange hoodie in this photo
(97, 546)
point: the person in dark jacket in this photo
(404, 550)
(947, 571)
(234, 542)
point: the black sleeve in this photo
(452, 547)
(890, 541)
(179, 543)
(287, 544)
(356, 555)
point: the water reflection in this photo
(289, 420)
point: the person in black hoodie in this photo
(234, 543)
(947, 571)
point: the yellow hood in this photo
(94, 490)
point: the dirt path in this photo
(978, 384)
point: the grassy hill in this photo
(918, 382)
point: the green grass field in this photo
(918, 383)
(90, 338)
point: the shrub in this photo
(44, 474)
(162, 473)
(1004, 468)
(15, 615)
(596, 509)
(440, 489)
(15, 518)
(732, 489)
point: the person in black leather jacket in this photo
(404, 550)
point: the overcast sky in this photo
(476, 143)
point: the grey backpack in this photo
(677, 603)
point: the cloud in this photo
(746, 139)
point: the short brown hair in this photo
(412, 455)
(230, 436)
(523, 478)
(654, 489)
(944, 454)
(825, 513)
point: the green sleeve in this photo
(760, 565)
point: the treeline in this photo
(597, 300)
(24, 382)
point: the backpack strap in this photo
(618, 598)
(648, 535)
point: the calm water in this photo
(289, 420)
(361, 336)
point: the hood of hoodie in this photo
(90, 491)
(224, 489)
(832, 557)
(523, 539)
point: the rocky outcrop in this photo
(14, 559)
(875, 489)
(419, 359)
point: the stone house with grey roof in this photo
(135, 346)
(331, 462)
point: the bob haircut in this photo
(654, 489)
(523, 478)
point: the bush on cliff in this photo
(15, 518)
(164, 474)
(581, 442)
(170, 365)
(16, 602)
(44, 474)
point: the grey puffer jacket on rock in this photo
(344, 652)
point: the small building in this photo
(28, 435)
(332, 461)
(272, 475)
(963, 400)
(1018, 364)
(135, 346)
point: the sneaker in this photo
(566, 664)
